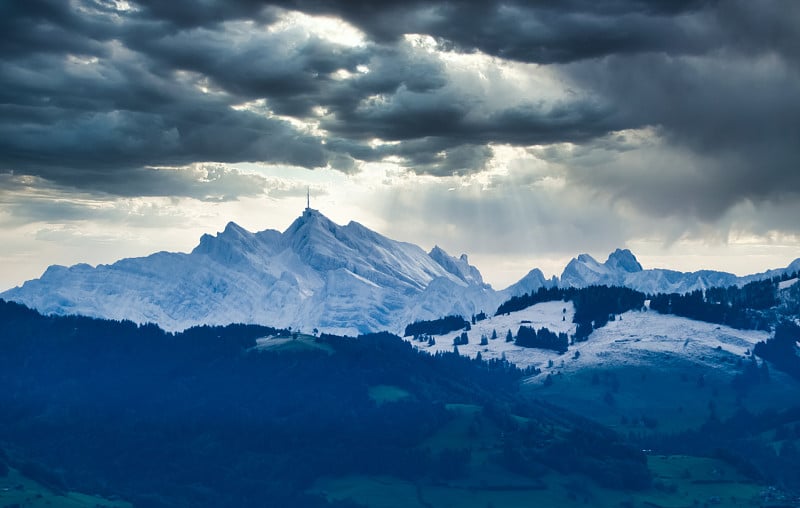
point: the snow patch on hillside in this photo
(634, 338)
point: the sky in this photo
(520, 133)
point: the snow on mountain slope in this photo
(622, 269)
(438, 300)
(530, 283)
(316, 274)
(459, 267)
(634, 338)
(586, 271)
(623, 261)
(787, 284)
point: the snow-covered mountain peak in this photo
(314, 238)
(316, 274)
(624, 260)
(583, 270)
(231, 228)
(231, 234)
(236, 245)
(311, 222)
(586, 259)
(437, 251)
(459, 267)
(530, 283)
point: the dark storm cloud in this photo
(719, 80)
(441, 157)
(534, 31)
(44, 26)
(738, 119)
(181, 14)
(87, 124)
(100, 124)
(204, 182)
(92, 95)
(293, 73)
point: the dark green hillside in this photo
(213, 417)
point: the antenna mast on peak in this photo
(308, 198)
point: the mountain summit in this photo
(585, 270)
(316, 274)
(623, 260)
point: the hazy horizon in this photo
(495, 270)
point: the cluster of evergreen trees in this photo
(782, 348)
(516, 303)
(542, 339)
(697, 305)
(427, 339)
(594, 305)
(752, 306)
(436, 326)
(461, 340)
(480, 316)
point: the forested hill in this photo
(215, 417)
(757, 305)
(760, 304)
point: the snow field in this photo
(632, 339)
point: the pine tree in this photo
(509, 337)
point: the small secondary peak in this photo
(586, 258)
(232, 227)
(624, 259)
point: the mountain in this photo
(316, 274)
(530, 283)
(622, 269)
